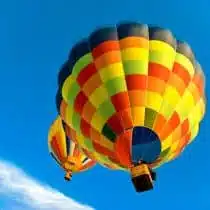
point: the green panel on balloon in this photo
(106, 109)
(156, 57)
(164, 152)
(76, 121)
(135, 67)
(72, 92)
(81, 63)
(116, 85)
(89, 145)
(150, 116)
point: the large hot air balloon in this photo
(66, 152)
(133, 96)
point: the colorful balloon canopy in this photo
(66, 153)
(132, 94)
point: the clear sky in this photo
(35, 39)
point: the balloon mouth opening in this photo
(142, 178)
(146, 145)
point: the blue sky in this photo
(35, 39)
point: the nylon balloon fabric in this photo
(132, 93)
(62, 148)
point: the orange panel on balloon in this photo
(107, 59)
(93, 83)
(137, 98)
(176, 134)
(159, 123)
(176, 82)
(196, 95)
(198, 80)
(185, 127)
(102, 150)
(73, 135)
(95, 135)
(105, 47)
(155, 84)
(126, 118)
(56, 147)
(182, 73)
(159, 71)
(173, 123)
(136, 82)
(134, 42)
(123, 148)
(88, 111)
(63, 107)
(184, 140)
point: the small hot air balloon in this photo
(134, 96)
(66, 152)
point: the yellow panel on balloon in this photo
(134, 54)
(111, 71)
(66, 86)
(81, 141)
(106, 143)
(138, 115)
(195, 116)
(98, 96)
(194, 133)
(184, 61)
(202, 105)
(166, 110)
(153, 100)
(162, 53)
(70, 91)
(158, 45)
(98, 121)
(165, 144)
(68, 115)
(171, 95)
(176, 134)
(72, 147)
(186, 105)
(174, 146)
(171, 156)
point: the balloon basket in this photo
(68, 176)
(141, 178)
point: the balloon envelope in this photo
(132, 93)
(63, 150)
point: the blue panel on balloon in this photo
(146, 145)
